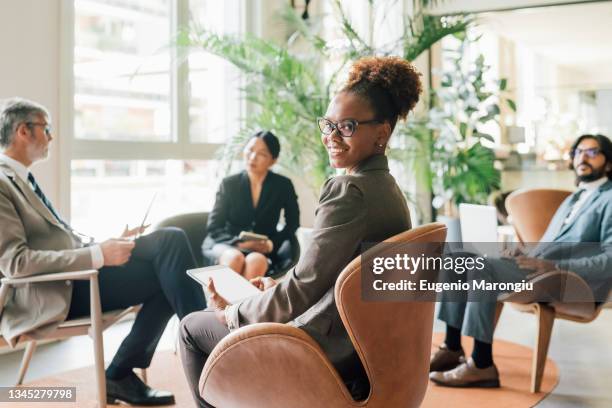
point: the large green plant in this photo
(462, 167)
(287, 85)
(287, 92)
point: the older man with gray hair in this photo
(35, 239)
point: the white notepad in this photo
(230, 285)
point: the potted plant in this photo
(286, 83)
(462, 159)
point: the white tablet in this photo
(230, 285)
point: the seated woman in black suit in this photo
(252, 200)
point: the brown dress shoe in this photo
(444, 359)
(467, 375)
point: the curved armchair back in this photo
(194, 225)
(393, 339)
(532, 210)
(276, 365)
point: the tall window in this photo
(145, 122)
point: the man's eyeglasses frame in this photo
(47, 128)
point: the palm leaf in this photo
(289, 91)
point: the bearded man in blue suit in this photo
(578, 239)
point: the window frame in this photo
(180, 148)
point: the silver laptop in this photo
(479, 229)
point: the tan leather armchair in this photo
(532, 211)
(393, 340)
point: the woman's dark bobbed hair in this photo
(270, 140)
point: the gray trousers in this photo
(476, 318)
(198, 335)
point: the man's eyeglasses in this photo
(47, 128)
(346, 127)
(591, 152)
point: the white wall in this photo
(604, 107)
(30, 68)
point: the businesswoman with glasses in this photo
(363, 205)
(252, 201)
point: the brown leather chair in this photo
(532, 211)
(275, 365)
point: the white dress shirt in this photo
(97, 257)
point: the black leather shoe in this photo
(133, 391)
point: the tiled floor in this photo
(583, 353)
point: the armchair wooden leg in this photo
(25, 361)
(96, 333)
(546, 319)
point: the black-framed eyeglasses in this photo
(345, 127)
(590, 152)
(47, 128)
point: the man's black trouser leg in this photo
(154, 277)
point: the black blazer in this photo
(233, 211)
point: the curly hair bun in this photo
(396, 77)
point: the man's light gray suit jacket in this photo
(592, 224)
(33, 242)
